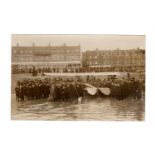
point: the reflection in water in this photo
(90, 109)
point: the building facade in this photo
(121, 60)
(53, 58)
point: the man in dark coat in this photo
(64, 92)
(17, 92)
(22, 92)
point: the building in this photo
(53, 58)
(118, 60)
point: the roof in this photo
(44, 50)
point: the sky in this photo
(86, 42)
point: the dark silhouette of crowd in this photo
(70, 70)
(30, 89)
(54, 89)
(59, 89)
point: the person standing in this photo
(52, 93)
(17, 92)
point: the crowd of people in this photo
(30, 89)
(59, 89)
(70, 70)
(56, 89)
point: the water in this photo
(96, 108)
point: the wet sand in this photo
(91, 108)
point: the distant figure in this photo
(128, 75)
(22, 93)
(34, 72)
(80, 100)
(52, 93)
(17, 92)
(80, 91)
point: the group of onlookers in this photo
(59, 89)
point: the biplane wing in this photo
(105, 90)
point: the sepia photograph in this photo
(78, 77)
